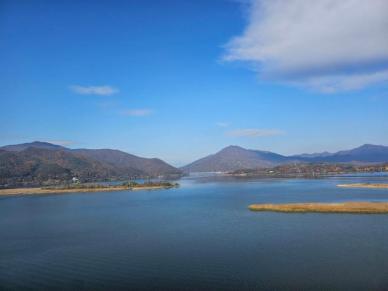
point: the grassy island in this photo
(345, 207)
(364, 185)
(73, 188)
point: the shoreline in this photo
(343, 207)
(37, 190)
(364, 185)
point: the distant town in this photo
(311, 170)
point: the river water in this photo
(200, 236)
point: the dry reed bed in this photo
(364, 185)
(345, 207)
(34, 191)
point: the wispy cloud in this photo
(324, 44)
(346, 82)
(222, 124)
(138, 112)
(94, 90)
(254, 132)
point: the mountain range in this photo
(40, 163)
(234, 158)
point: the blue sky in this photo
(182, 79)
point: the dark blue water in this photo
(197, 237)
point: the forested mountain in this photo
(40, 163)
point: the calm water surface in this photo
(197, 237)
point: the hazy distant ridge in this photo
(234, 158)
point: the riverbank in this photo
(345, 207)
(364, 185)
(81, 189)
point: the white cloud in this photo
(254, 132)
(329, 45)
(343, 82)
(138, 112)
(94, 90)
(222, 124)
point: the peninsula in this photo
(343, 207)
(88, 188)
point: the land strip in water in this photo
(86, 188)
(364, 185)
(344, 207)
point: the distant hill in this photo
(234, 158)
(35, 144)
(366, 153)
(37, 166)
(127, 162)
(313, 155)
(40, 163)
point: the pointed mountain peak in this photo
(232, 148)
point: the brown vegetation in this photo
(87, 188)
(345, 207)
(364, 185)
